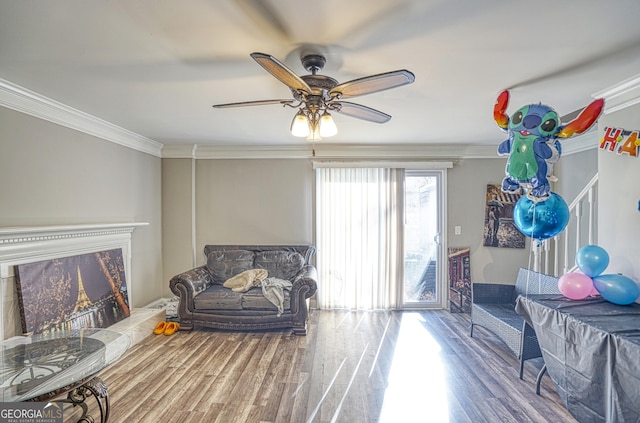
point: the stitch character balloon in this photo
(533, 144)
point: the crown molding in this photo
(577, 144)
(406, 151)
(330, 151)
(20, 99)
(253, 152)
(179, 151)
(584, 142)
(621, 95)
(421, 165)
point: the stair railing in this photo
(556, 256)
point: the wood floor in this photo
(351, 367)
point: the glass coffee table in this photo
(46, 366)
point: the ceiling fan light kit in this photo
(315, 95)
(313, 124)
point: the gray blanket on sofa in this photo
(273, 290)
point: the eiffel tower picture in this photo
(83, 300)
(47, 299)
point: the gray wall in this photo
(619, 197)
(177, 211)
(253, 201)
(258, 201)
(466, 193)
(574, 171)
(52, 175)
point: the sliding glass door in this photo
(423, 282)
(378, 233)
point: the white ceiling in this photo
(155, 67)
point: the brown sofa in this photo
(204, 301)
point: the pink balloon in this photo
(594, 292)
(575, 286)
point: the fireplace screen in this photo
(84, 291)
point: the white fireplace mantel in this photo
(28, 244)
(20, 245)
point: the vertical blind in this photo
(359, 237)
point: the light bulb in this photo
(328, 127)
(300, 125)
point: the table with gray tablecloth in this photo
(591, 349)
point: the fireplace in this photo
(19, 246)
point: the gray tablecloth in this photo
(592, 351)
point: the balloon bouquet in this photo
(592, 260)
(533, 147)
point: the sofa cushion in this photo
(280, 263)
(225, 264)
(217, 297)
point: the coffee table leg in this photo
(96, 388)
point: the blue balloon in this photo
(592, 260)
(542, 219)
(616, 288)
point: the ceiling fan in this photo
(316, 95)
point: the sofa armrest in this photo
(304, 286)
(189, 284)
(491, 293)
(307, 277)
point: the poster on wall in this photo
(459, 280)
(83, 291)
(499, 229)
